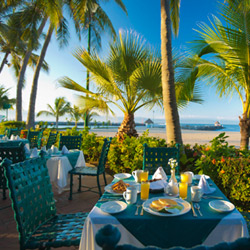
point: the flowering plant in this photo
(173, 163)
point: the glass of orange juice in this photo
(144, 176)
(183, 188)
(145, 190)
(184, 177)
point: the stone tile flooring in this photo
(82, 202)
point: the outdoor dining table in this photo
(8, 142)
(165, 232)
(60, 164)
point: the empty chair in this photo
(13, 131)
(92, 171)
(154, 157)
(51, 139)
(35, 138)
(13, 153)
(70, 141)
(34, 206)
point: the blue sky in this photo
(144, 18)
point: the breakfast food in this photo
(167, 202)
(156, 205)
(164, 205)
(120, 186)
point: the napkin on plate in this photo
(17, 137)
(27, 149)
(64, 150)
(34, 153)
(12, 138)
(161, 184)
(206, 189)
(54, 149)
(160, 174)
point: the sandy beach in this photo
(188, 136)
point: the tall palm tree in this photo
(129, 79)
(224, 52)
(61, 108)
(4, 99)
(76, 115)
(169, 12)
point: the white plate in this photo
(221, 206)
(185, 204)
(113, 207)
(109, 189)
(122, 176)
(198, 176)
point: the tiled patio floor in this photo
(82, 202)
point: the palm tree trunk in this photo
(173, 128)
(127, 127)
(4, 61)
(244, 131)
(31, 113)
(57, 119)
(22, 74)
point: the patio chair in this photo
(92, 171)
(13, 131)
(154, 157)
(13, 153)
(51, 139)
(35, 138)
(34, 206)
(109, 236)
(70, 141)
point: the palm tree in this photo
(225, 58)
(169, 11)
(129, 79)
(4, 99)
(61, 108)
(76, 114)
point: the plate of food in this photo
(166, 206)
(113, 207)
(117, 188)
(221, 206)
(122, 176)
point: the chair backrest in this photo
(35, 138)
(70, 141)
(31, 194)
(108, 237)
(51, 140)
(13, 153)
(13, 131)
(104, 155)
(159, 156)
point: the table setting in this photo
(165, 211)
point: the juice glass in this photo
(144, 176)
(183, 187)
(184, 177)
(145, 190)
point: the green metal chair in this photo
(51, 139)
(108, 237)
(70, 141)
(13, 153)
(34, 207)
(154, 157)
(35, 138)
(13, 131)
(92, 171)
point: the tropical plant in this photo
(61, 108)
(75, 114)
(225, 59)
(129, 79)
(169, 12)
(4, 99)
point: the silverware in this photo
(141, 210)
(192, 206)
(197, 206)
(212, 197)
(137, 209)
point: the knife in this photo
(192, 206)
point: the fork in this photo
(211, 197)
(197, 206)
(137, 209)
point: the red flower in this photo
(222, 159)
(195, 154)
(222, 171)
(214, 161)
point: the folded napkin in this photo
(5, 138)
(17, 137)
(27, 149)
(34, 153)
(49, 151)
(12, 138)
(64, 150)
(44, 148)
(160, 174)
(206, 189)
(54, 149)
(158, 184)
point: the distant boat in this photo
(216, 126)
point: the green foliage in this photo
(10, 124)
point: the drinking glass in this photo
(144, 176)
(145, 190)
(183, 187)
(184, 177)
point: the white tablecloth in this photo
(230, 228)
(58, 168)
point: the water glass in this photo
(145, 185)
(183, 188)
